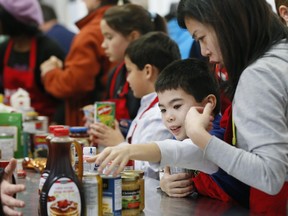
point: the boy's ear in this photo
(283, 12)
(210, 99)
(148, 70)
(134, 35)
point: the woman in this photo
(256, 59)
(23, 53)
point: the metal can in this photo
(92, 184)
(105, 113)
(112, 195)
(130, 194)
(40, 145)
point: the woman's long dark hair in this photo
(245, 29)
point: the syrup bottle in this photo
(62, 193)
(46, 172)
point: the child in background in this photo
(282, 10)
(120, 26)
(145, 58)
(180, 85)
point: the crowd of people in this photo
(123, 53)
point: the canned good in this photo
(7, 143)
(105, 113)
(130, 194)
(40, 145)
(142, 186)
(92, 184)
(112, 195)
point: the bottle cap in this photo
(53, 127)
(61, 132)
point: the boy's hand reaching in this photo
(105, 135)
(118, 156)
(176, 185)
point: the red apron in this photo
(120, 103)
(14, 79)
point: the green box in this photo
(14, 120)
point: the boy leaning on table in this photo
(180, 85)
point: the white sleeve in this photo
(183, 154)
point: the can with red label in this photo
(40, 145)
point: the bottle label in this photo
(43, 178)
(64, 198)
(91, 191)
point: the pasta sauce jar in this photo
(130, 194)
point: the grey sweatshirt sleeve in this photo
(183, 154)
(260, 112)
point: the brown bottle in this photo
(46, 172)
(62, 193)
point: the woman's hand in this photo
(198, 122)
(8, 190)
(176, 185)
(105, 135)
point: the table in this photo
(157, 203)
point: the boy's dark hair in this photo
(155, 48)
(192, 76)
(12, 27)
(130, 17)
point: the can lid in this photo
(78, 129)
(61, 132)
(53, 127)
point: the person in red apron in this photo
(114, 24)
(23, 53)
(143, 73)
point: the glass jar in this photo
(130, 194)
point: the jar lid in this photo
(61, 132)
(129, 176)
(138, 172)
(78, 129)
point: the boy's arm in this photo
(121, 154)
